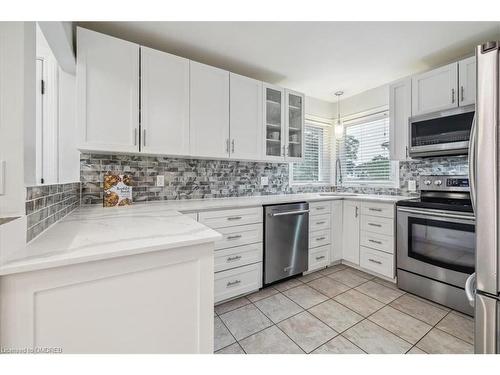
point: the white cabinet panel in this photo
(209, 111)
(164, 103)
(350, 235)
(319, 238)
(318, 258)
(399, 113)
(377, 241)
(435, 90)
(319, 208)
(237, 256)
(274, 122)
(377, 224)
(467, 81)
(377, 261)
(378, 209)
(107, 92)
(234, 282)
(231, 218)
(320, 222)
(337, 225)
(240, 235)
(245, 117)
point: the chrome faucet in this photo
(338, 172)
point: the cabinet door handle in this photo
(233, 283)
(375, 261)
(453, 95)
(135, 136)
(320, 208)
(144, 137)
(234, 218)
(374, 241)
(375, 209)
(320, 238)
(356, 212)
(461, 93)
(232, 259)
(227, 146)
(320, 257)
(232, 146)
(375, 225)
(407, 152)
(234, 237)
(320, 222)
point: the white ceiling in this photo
(317, 58)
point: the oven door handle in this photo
(437, 213)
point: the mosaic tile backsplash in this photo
(47, 204)
(186, 178)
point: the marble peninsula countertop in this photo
(92, 233)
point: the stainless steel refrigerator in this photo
(483, 288)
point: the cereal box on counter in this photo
(117, 190)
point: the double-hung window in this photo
(316, 166)
(364, 153)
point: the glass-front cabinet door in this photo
(274, 122)
(294, 146)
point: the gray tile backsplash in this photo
(186, 178)
(47, 204)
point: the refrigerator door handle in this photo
(470, 289)
(472, 163)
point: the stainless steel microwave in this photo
(441, 133)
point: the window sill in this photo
(389, 185)
(311, 184)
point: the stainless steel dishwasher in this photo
(286, 240)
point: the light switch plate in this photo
(412, 185)
(264, 181)
(2, 177)
(160, 180)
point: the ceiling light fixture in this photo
(339, 127)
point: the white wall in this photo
(365, 101)
(17, 108)
(319, 108)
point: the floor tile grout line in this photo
(224, 324)
(423, 321)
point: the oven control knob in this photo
(427, 182)
(437, 182)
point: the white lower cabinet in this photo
(337, 225)
(238, 256)
(350, 233)
(320, 235)
(319, 257)
(237, 281)
(377, 261)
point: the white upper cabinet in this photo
(164, 103)
(107, 92)
(209, 111)
(435, 90)
(399, 114)
(274, 122)
(245, 117)
(294, 124)
(350, 231)
(467, 81)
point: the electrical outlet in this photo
(160, 180)
(264, 181)
(412, 185)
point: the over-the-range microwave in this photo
(441, 133)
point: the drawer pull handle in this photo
(375, 241)
(231, 259)
(321, 257)
(375, 261)
(320, 208)
(375, 209)
(233, 283)
(320, 238)
(235, 237)
(234, 218)
(320, 222)
(375, 225)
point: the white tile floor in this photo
(339, 310)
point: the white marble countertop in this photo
(96, 233)
(93, 233)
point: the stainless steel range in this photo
(436, 241)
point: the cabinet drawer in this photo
(377, 224)
(319, 258)
(377, 209)
(319, 238)
(231, 218)
(378, 241)
(237, 256)
(237, 281)
(319, 208)
(377, 261)
(319, 222)
(240, 235)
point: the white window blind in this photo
(364, 151)
(316, 166)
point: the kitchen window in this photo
(364, 153)
(316, 166)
